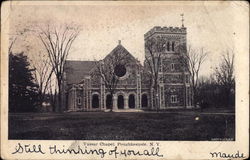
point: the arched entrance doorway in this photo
(109, 101)
(95, 101)
(144, 101)
(131, 101)
(120, 102)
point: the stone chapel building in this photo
(85, 90)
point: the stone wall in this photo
(137, 80)
(172, 90)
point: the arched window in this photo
(172, 66)
(168, 46)
(109, 103)
(120, 102)
(173, 45)
(144, 101)
(95, 101)
(174, 99)
(131, 101)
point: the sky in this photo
(215, 26)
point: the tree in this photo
(111, 68)
(154, 50)
(42, 71)
(225, 76)
(42, 76)
(22, 89)
(57, 42)
(208, 92)
(193, 61)
(218, 90)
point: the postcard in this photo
(125, 80)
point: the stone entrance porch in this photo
(122, 101)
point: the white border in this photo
(170, 149)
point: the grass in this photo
(121, 126)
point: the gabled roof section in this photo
(77, 70)
(120, 47)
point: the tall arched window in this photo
(168, 46)
(172, 66)
(109, 102)
(120, 102)
(131, 101)
(144, 101)
(173, 45)
(95, 101)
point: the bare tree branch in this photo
(192, 60)
(42, 74)
(154, 48)
(57, 42)
(225, 72)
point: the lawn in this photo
(122, 126)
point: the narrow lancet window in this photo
(168, 46)
(173, 45)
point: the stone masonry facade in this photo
(85, 90)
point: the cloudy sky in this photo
(215, 26)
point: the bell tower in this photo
(169, 48)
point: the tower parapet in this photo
(165, 30)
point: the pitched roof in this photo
(76, 70)
(118, 48)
